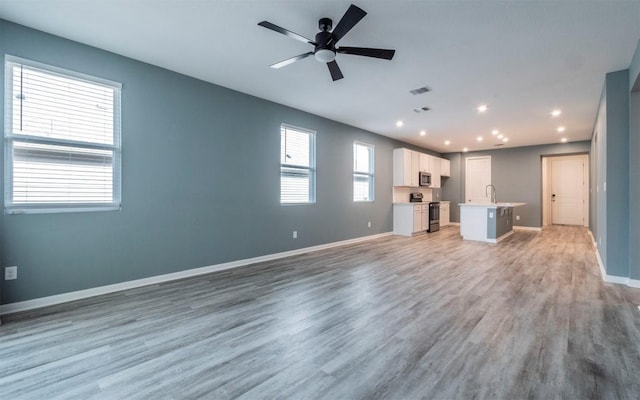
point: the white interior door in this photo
(477, 177)
(568, 190)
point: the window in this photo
(62, 140)
(297, 165)
(362, 172)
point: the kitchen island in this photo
(487, 222)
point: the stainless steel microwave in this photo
(424, 179)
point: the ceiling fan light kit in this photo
(325, 55)
(325, 49)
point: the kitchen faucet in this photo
(493, 192)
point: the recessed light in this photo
(447, 142)
(561, 129)
(505, 140)
(563, 140)
(399, 123)
(556, 113)
(482, 108)
(422, 133)
(500, 136)
(495, 132)
(465, 149)
(479, 139)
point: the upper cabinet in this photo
(408, 163)
(445, 167)
(434, 162)
(425, 164)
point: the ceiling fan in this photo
(325, 44)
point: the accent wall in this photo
(200, 181)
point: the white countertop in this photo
(494, 205)
(407, 203)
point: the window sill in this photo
(49, 210)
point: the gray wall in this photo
(617, 164)
(617, 173)
(634, 166)
(517, 175)
(634, 185)
(612, 170)
(200, 181)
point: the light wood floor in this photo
(430, 317)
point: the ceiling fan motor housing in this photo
(325, 50)
(325, 24)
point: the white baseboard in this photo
(100, 290)
(621, 280)
(527, 228)
(595, 244)
(454, 223)
(501, 238)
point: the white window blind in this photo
(363, 177)
(62, 139)
(297, 165)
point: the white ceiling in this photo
(521, 58)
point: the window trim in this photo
(370, 175)
(312, 165)
(10, 137)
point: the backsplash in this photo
(401, 194)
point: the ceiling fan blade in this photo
(335, 70)
(350, 18)
(367, 52)
(276, 28)
(291, 60)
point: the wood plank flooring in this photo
(429, 317)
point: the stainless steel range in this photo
(434, 216)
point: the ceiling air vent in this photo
(498, 144)
(421, 109)
(420, 90)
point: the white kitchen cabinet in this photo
(445, 215)
(410, 218)
(445, 167)
(425, 163)
(434, 162)
(406, 164)
(417, 218)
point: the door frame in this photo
(546, 186)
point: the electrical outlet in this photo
(10, 273)
(369, 224)
(295, 234)
(517, 218)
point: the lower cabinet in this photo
(444, 213)
(410, 218)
